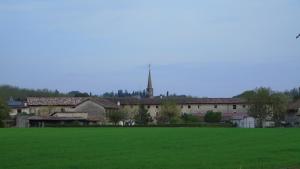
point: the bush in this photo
(2, 124)
(213, 117)
(190, 118)
(176, 120)
(116, 116)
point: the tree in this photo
(143, 117)
(294, 94)
(4, 112)
(78, 94)
(213, 117)
(260, 104)
(116, 116)
(279, 106)
(169, 112)
(265, 103)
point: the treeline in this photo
(7, 91)
(293, 94)
(125, 93)
(141, 94)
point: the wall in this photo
(194, 108)
(82, 115)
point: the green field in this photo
(149, 148)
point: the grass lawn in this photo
(149, 148)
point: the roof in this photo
(53, 118)
(67, 101)
(112, 102)
(177, 100)
(294, 105)
(55, 101)
(104, 102)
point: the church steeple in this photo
(149, 86)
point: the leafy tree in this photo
(279, 106)
(116, 116)
(143, 117)
(213, 117)
(265, 103)
(169, 112)
(4, 111)
(260, 104)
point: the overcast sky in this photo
(216, 48)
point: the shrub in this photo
(189, 118)
(213, 117)
(116, 116)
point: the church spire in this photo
(149, 86)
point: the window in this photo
(198, 106)
(234, 106)
(157, 107)
(189, 106)
(19, 110)
(148, 107)
(244, 106)
(215, 106)
(62, 110)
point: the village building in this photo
(292, 117)
(63, 110)
(229, 107)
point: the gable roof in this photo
(55, 101)
(103, 102)
(67, 101)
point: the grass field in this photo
(149, 148)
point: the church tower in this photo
(149, 86)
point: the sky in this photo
(216, 48)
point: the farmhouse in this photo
(65, 110)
